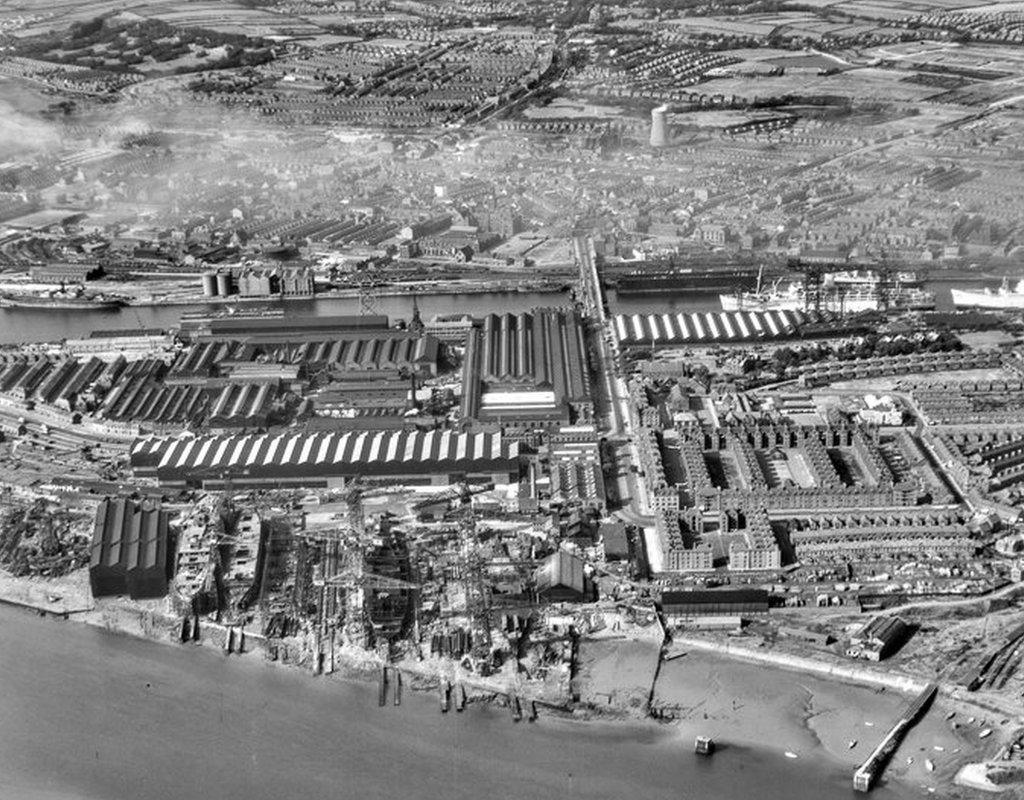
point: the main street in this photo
(614, 402)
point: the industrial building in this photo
(326, 460)
(560, 579)
(130, 552)
(259, 282)
(683, 606)
(527, 370)
(255, 328)
(879, 639)
(64, 272)
(708, 326)
(369, 354)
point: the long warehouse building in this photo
(706, 327)
(326, 460)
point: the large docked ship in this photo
(682, 280)
(841, 293)
(1003, 297)
(61, 301)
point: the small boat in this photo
(790, 754)
(985, 733)
(910, 759)
(929, 765)
(939, 748)
(950, 715)
(852, 744)
(870, 724)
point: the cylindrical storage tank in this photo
(659, 126)
(209, 284)
(223, 283)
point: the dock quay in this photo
(871, 770)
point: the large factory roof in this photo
(129, 549)
(518, 360)
(355, 351)
(706, 326)
(320, 454)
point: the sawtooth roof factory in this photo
(527, 370)
(325, 460)
(708, 326)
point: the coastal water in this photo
(89, 715)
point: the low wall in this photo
(851, 674)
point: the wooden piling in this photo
(382, 687)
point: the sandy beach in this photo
(747, 704)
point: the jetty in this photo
(871, 770)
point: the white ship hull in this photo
(963, 298)
(848, 305)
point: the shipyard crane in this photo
(886, 287)
(478, 600)
(367, 279)
(354, 575)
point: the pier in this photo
(871, 770)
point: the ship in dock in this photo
(390, 603)
(684, 280)
(1003, 297)
(62, 301)
(840, 293)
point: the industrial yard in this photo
(581, 363)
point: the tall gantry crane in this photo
(368, 279)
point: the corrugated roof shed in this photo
(129, 549)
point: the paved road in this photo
(613, 384)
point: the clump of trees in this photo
(869, 346)
(103, 43)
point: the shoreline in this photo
(814, 720)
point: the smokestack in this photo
(659, 126)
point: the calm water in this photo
(34, 325)
(90, 715)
